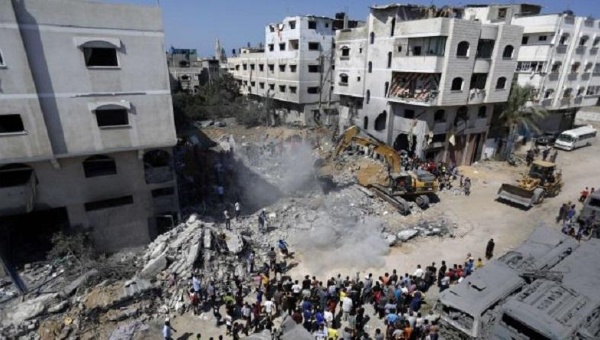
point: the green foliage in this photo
(220, 99)
(515, 113)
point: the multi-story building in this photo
(293, 72)
(188, 72)
(86, 123)
(425, 80)
(558, 58)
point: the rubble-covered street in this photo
(345, 230)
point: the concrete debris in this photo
(128, 331)
(69, 289)
(155, 266)
(407, 234)
(27, 310)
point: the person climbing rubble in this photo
(262, 221)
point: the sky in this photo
(197, 23)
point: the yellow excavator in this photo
(543, 180)
(396, 185)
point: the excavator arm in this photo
(352, 135)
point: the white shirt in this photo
(346, 304)
(237, 206)
(269, 306)
(296, 288)
(328, 316)
(419, 273)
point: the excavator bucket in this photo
(516, 194)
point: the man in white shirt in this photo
(346, 307)
(419, 273)
(269, 307)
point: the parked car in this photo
(547, 138)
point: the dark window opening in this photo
(245, 67)
(389, 60)
(393, 28)
(462, 49)
(312, 25)
(252, 66)
(372, 38)
(370, 67)
(157, 166)
(462, 115)
(524, 40)
(261, 67)
(112, 117)
(100, 165)
(314, 46)
(292, 25)
(482, 113)
(439, 116)
(292, 89)
(343, 79)
(508, 52)
(271, 67)
(109, 203)
(13, 175)
(271, 86)
(478, 81)
(485, 47)
(386, 88)
(271, 47)
(368, 96)
(313, 89)
(163, 192)
(11, 124)
(314, 69)
(501, 83)
(1, 59)
(345, 51)
(282, 46)
(281, 88)
(282, 68)
(96, 56)
(457, 84)
(381, 121)
(293, 44)
(261, 85)
(293, 68)
(409, 114)
(366, 122)
(417, 50)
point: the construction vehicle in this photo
(543, 180)
(394, 185)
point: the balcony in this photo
(553, 76)
(546, 102)
(476, 125)
(420, 63)
(572, 76)
(561, 49)
(440, 127)
(578, 100)
(18, 191)
(417, 98)
(476, 96)
(565, 101)
(414, 88)
(482, 66)
(593, 50)
(580, 50)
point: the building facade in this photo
(86, 123)
(293, 72)
(188, 72)
(425, 80)
(558, 58)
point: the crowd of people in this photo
(331, 308)
(574, 225)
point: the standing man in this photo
(467, 186)
(584, 194)
(562, 213)
(489, 249)
(545, 153)
(227, 219)
(168, 330)
(262, 219)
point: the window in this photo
(370, 67)
(100, 165)
(252, 83)
(313, 69)
(312, 89)
(2, 59)
(596, 68)
(501, 83)
(530, 66)
(366, 122)
(381, 121)
(439, 116)
(556, 67)
(386, 88)
(245, 67)
(360, 50)
(345, 51)
(575, 67)
(416, 50)
(457, 84)
(508, 52)
(237, 67)
(502, 13)
(282, 88)
(293, 68)
(357, 78)
(583, 40)
(272, 67)
(409, 114)
(485, 47)
(549, 94)
(567, 93)
(261, 85)
(542, 38)
(261, 67)
(343, 79)
(282, 68)
(563, 39)
(109, 203)
(13, 175)
(163, 192)
(11, 124)
(368, 96)
(282, 46)
(314, 46)
(312, 25)
(592, 91)
(462, 49)
(293, 44)
(252, 67)
(293, 89)
(389, 60)
(594, 44)
(462, 114)
(100, 57)
(478, 81)
(112, 117)
(524, 40)
(372, 38)
(580, 91)
(271, 47)
(482, 113)
(292, 24)
(272, 87)
(393, 28)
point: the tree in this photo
(516, 113)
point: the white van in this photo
(576, 138)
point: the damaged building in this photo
(293, 71)
(544, 289)
(188, 72)
(86, 131)
(425, 79)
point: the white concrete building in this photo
(86, 123)
(188, 72)
(558, 57)
(294, 69)
(425, 80)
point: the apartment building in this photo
(86, 124)
(425, 80)
(188, 72)
(293, 71)
(558, 58)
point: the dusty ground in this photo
(478, 218)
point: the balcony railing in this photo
(546, 102)
(561, 49)
(412, 97)
(440, 127)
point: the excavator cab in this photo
(543, 180)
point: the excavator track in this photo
(397, 202)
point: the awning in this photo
(123, 104)
(98, 42)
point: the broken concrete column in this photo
(154, 267)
